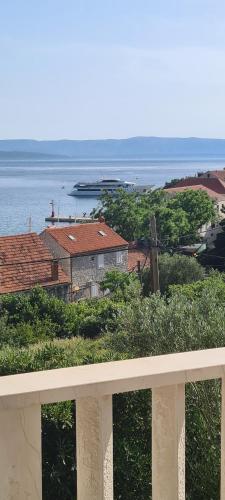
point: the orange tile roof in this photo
(87, 238)
(25, 262)
(212, 183)
(135, 255)
(210, 192)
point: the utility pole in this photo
(30, 224)
(154, 257)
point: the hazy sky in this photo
(112, 68)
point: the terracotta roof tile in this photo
(210, 192)
(86, 238)
(209, 182)
(25, 262)
(220, 174)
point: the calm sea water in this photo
(26, 188)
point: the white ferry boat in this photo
(96, 189)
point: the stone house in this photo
(26, 262)
(86, 252)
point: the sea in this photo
(28, 187)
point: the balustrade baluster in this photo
(20, 453)
(94, 448)
(168, 443)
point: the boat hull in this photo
(97, 193)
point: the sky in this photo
(91, 69)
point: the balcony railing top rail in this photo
(63, 384)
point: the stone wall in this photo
(57, 251)
(85, 271)
(62, 292)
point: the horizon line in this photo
(117, 138)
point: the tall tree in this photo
(177, 217)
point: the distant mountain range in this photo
(134, 147)
(23, 155)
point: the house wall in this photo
(85, 271)
(57, 251)
(221, 208)
(60, 291)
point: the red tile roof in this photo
(136, 254)
(87, 238)
(25, 262)
(209, 182)
(220, 174)
(210, 192)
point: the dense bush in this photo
(174, 269)
(33, 317)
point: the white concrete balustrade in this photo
(92, 386)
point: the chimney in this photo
(55, 270)
(101, 218)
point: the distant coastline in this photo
(24, 155)
(131, 148)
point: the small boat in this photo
(95, 189)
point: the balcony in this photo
(21, 397)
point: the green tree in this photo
(197, 205)
(174, 270)
(128, 213)
(172, 225)
(121, 286)
(178, 269)
(178, 218)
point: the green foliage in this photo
(197, 205)
(36, 316)
(178, 269)
(174, 270)
(214, 283)
(172, 224)
(178, 217)
(128, 213)
(121, 286)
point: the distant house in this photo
(215, 189)
(26, 262)
(86, 252)
(213, 174)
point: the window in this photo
(119, 257)
(100, 261)
(102, 233)
(71, 237)
(94, 290)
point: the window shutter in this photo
(100, 261)
(119, 257)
